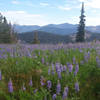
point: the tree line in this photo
(8, 34)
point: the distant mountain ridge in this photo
(61, 29)
(50, 38)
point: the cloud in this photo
(83, 0)
(15, 2)
(93, 21)
(64, 8)
(24, 18)
(44, 4)
(91, 3)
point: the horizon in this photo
(44, 12)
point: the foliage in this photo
(7, 34)
(41, 66)
(80, 36)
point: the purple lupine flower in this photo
(58, 90)
(42, 60)
(57, 66)
(35, 91)
(49, 71)
(74, 60)
(76, 87)
(70, 68)
(42, 81)
(64, 68)
(65, 93)
(54, 97)
(49, 84)
(0, 75)
(10, 86)
(23, 87)
(30, 82)
(68, 64)
(59, 73)
(76, 69)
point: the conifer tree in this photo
(6, 32)
(36, 40)
(80, 36)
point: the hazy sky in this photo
(42, 12)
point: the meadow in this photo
(50, 72)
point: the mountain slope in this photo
(50, 38)
(44, 37)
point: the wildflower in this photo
(65, 93)
(54, 97)
(10, 86)
(42, 60)
(64, 69)
(76, 69)
(74, 60)
(70, 68)
(30, 83)
(42, 81)
(49, 71)
(35, 91)
(76, 87)
(49, 84)
(58, 90)
(59, 73)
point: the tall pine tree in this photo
(80, 36)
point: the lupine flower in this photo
(0, 75)
(49, 84)
(42, 81)
(49, 70)
(59, 73)
(65, 93)
(23, 87)
(30, 83)
(68, 64)
(74, 60)
(64, 68)
(10, 86)
(76, 87)
(54, 97)
(35, 91)
(76, 69)
(58, 90)
(57, 66)
(70, 68)
(42, 60)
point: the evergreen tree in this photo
(36, 40)
(80, 36)
(6, 32)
